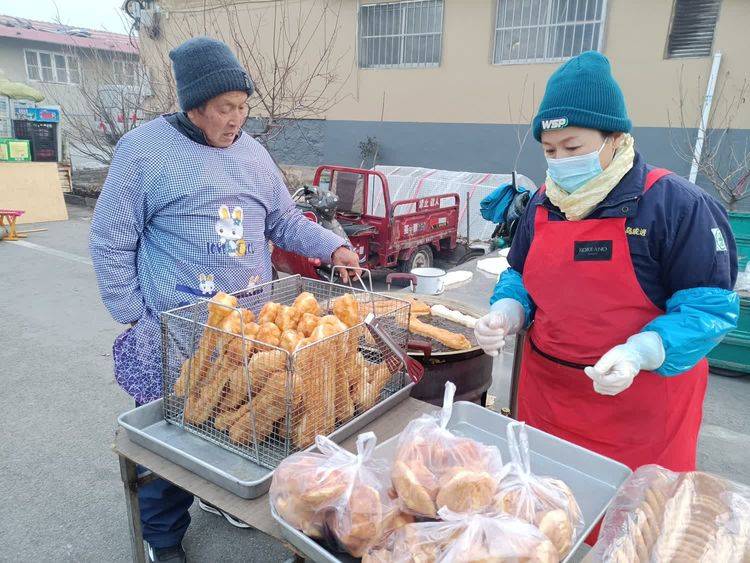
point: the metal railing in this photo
(538, 31)
(400, 34)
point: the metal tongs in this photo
(359, 272)
(397, 357)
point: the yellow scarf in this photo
(579, 204)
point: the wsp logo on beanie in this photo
(558, 123)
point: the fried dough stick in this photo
(452, 340)
(219, 308)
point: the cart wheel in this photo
(422, 258)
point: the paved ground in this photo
(58, 403)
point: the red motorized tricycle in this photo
(356, 204)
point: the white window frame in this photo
(132, 64)
(52, 55)
(402, 34)
(540, 25)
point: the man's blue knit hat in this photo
(582, 93)
(205, 68)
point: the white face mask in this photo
(574, 171)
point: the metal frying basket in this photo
(263, 395)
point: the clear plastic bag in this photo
(659, 516)
(435, 468)
(461, 538)
(546, 502)
(340, 498)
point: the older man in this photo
(188, 208)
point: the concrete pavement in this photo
(60, 485)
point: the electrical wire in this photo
(220, 6)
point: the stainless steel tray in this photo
(146, 426)
(594, 479)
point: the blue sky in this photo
(95, 14)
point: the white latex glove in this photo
(506, 317)
(617, 368)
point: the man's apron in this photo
(581, 277)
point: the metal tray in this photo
(594, 479)
(146, 426)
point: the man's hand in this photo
(344, 256)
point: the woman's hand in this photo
(617, 369)
(506, 317)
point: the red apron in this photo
(581, 278)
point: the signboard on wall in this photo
(44, 115)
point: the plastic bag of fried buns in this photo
(340, 498)
(546, 502)
(462, 538)
(659, 516)
(435, 468)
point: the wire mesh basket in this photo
(261, 372)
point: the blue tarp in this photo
(495, 206)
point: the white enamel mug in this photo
(429, 280)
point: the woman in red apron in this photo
(624, 274)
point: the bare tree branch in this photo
(522, 120)
(111, 100)
(721, 162)
(291, 52)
